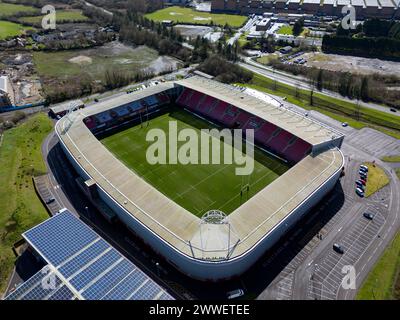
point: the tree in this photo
(298, 27)
(320, 80)
(364, 90)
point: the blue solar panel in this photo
(95, 269)
(165, 296)
(63, 293)
(147, 292)
(60, 237)
(44, 288)
(86, 262)
(28, 285)
(125, 288)
(83, 258)
(108, 281)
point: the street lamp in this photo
(158, 269)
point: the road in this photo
(302, 83)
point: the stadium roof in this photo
(81, 265)
(311, 1)
(65, 106)
(372, 3)
(293, 122)
(358, 3)
(179, 228)
(386, 3)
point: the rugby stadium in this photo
(203, 219)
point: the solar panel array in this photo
(44, 285)
(84, 264)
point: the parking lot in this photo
(44, 189)
(374, 142)
(328, 275)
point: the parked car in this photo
(365, 168)
(368, 215)
(338, 248)
(362, 173)
(360, 192)
(360, 185)
(235, 294)
(345, 124)
(364, 182)
(50, 200)
(393, 110)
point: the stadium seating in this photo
(218, 111)
(184, 96)
(163, 98)
(90, 122)
(280, 141)
(297, 151)
(205, 104)
(242, 119)
(267, 134)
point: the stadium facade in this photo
(200, 248)
(364, 8)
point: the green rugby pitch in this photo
(196, 187)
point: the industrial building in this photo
(364, 8)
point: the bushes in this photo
(381, 47)
(225, 71)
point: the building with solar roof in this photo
(81, 265)
(214, 247)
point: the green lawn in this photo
(20, 208)
(287, 29)
(267, 58)
(198, 188)
(61, 16)
(383, 282)
(377, 179)
(398, 172)
(337, 109)
(8, 9)
(391, 158)
(11, 29)
(188, 15)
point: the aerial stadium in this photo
(203, 219)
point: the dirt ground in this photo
(336, 62)
(20, 70)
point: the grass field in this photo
(285, 30)
(55, 68)
(20, 208)
(187, 15)
(8, 9)
(11, 29)
(377, 179)
(61, 16)
(391, 158)
(383, 282)
(59, 64)
(197, 188)
(342, 111)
